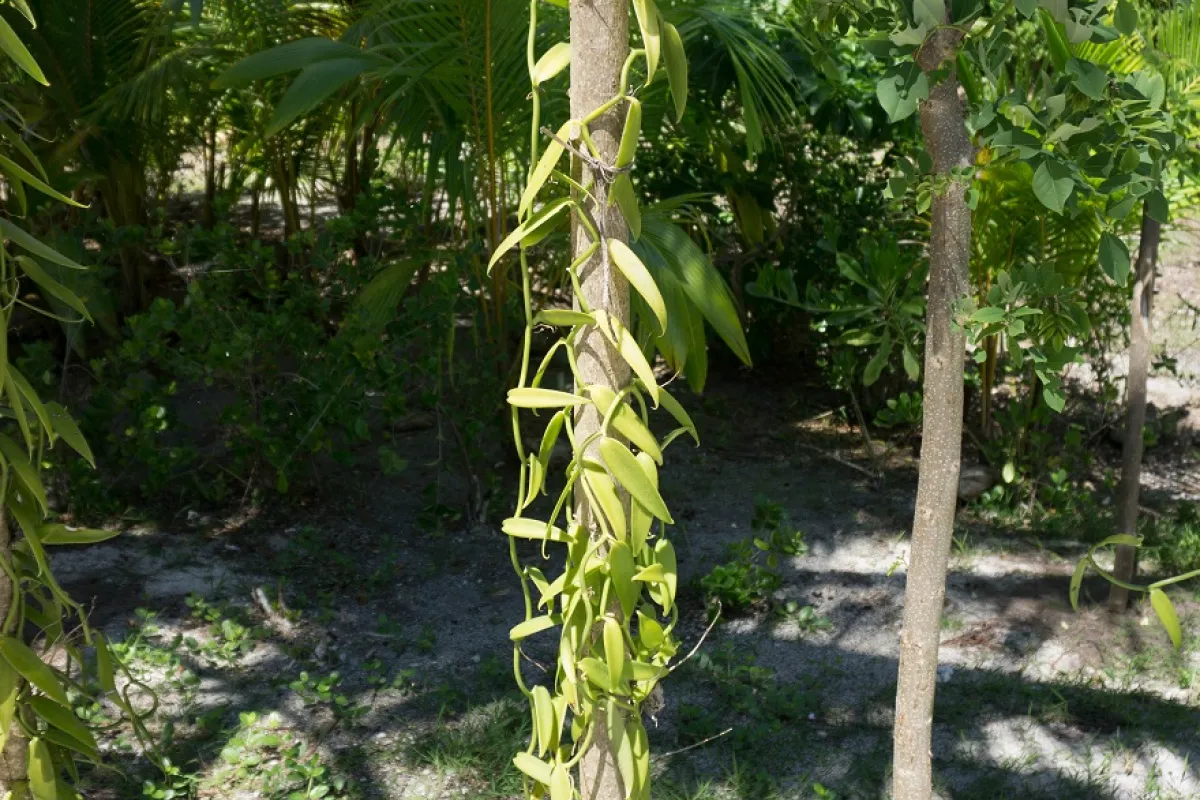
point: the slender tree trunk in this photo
(14, 756)
(210, 175)
(1135, 407)
(944, 129)
(600, 44)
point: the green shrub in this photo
(1175, 542)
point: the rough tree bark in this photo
(1135, 407)
(599, 44)
(946, 140)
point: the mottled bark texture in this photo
(1135, 407)
(943, 126)
(599, 46)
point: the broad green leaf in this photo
(25, 661)
(552, 62)
(626, 421)
(1052, 185)
(532, 626)
(1077, 580)
(534, 767)
(105, 673)
(621, 571)
(930, 13)
(290, 57)
(639, 278)
(563, 317)
(545, 167)
(65, 720)
(42, 784)
(543, 398)
(650, 632)
(1114, 258)
(1125, 18)
(698, 279)
(543, 716)
(651, 574)
(641, 520)
(525, 528)
(912, 367)
(677, 68)
(1009, 473)
(313, 86)
(901, 90)
(560, 784)
(631, 136)
(630, 350)
(23, 7)
(1055, 399)
(530, 227)
(664, 552)
(875, 366)
(66, 429)
(1157, 207)
(1166, 615)
(38, 275)
(1060, 51)
(679, 413)
(33, 245)
(621, 192)
(647, 17)
(1088, 78)
(18, 459)
(989, 315)
(604, 492)
(16, 171)
(15, 49)
(614, 651)
(1125, 539)
(55, 534)
(596, 672)
(10, 691)
(629, 473)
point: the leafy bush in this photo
(745, 583)
(1175, 542)
(264, 373)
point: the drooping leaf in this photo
(289, 57)
(534, 767)
(614, 651)
(621, 571)
(42, 783)
(56, 534)
(525, 528)
(1166, 615)
(313, 86)
(552, 62)
(545, 167)
(1053, 185)
(66, 429)
(532, 626)
(632, 477)
(25, 661)
(1114, 258)
(27, 242)
(639, 278)
(15, 49)
(677, 68)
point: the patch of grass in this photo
(478, 746)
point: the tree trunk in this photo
(600, 44)
(14, 756)
(1135, 407)
(946, 140)
(210, 176)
